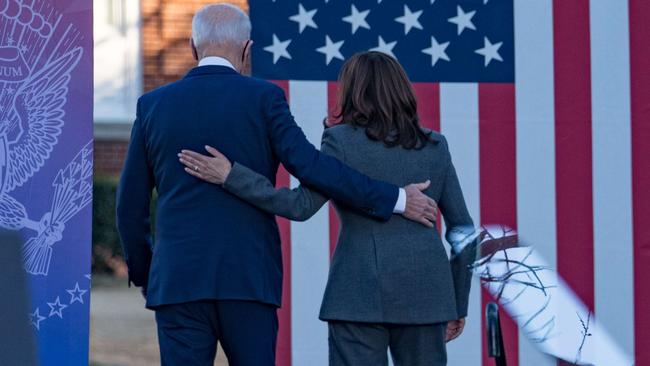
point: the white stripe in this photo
(309, 241)
(612, 196)
(536, 220)
(459, 123)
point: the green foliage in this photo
(106, 242)
(107, 250)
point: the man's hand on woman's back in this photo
(420, 207)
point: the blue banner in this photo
(46, 115)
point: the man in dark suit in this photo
(215, 271)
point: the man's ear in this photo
(249, 48)
(247, 59)
(195, 53)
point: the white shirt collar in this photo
(216, 61)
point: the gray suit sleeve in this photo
(453, 208)
(298, 204)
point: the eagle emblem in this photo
(38, 54)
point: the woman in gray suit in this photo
(391, 285)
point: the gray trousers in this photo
(366, 344)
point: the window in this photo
(118, 61)
(116, 15)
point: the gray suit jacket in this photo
(392, 272)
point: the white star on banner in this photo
(76, 294)
(463, 20)
(409, 19)
(384, 47)
(437, 51)
(357, 19)
(36, 318)
(56, 308)
(490, 51)
(331, 50)
(278, 49)
(304, 18)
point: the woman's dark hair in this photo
(375, 94)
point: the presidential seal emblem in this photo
(38, 53)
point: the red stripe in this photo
(332, 99)
(283, 349)
(428, 98)
(573, 146)
(334, 228)
(573, 155)
(498, 182)
(640, 95)
(332, 95)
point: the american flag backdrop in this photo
(546, 106)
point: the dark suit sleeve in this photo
(133, 207)
(297, 204)
(324, 173)
(453, 208)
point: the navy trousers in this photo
(188, 333)
(367, 344)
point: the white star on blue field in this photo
(76, 294)
(435, 41)
(56, 308)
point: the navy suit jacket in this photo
(208, 243)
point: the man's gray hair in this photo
(220, 25)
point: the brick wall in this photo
(109, 156)
(166, 29)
